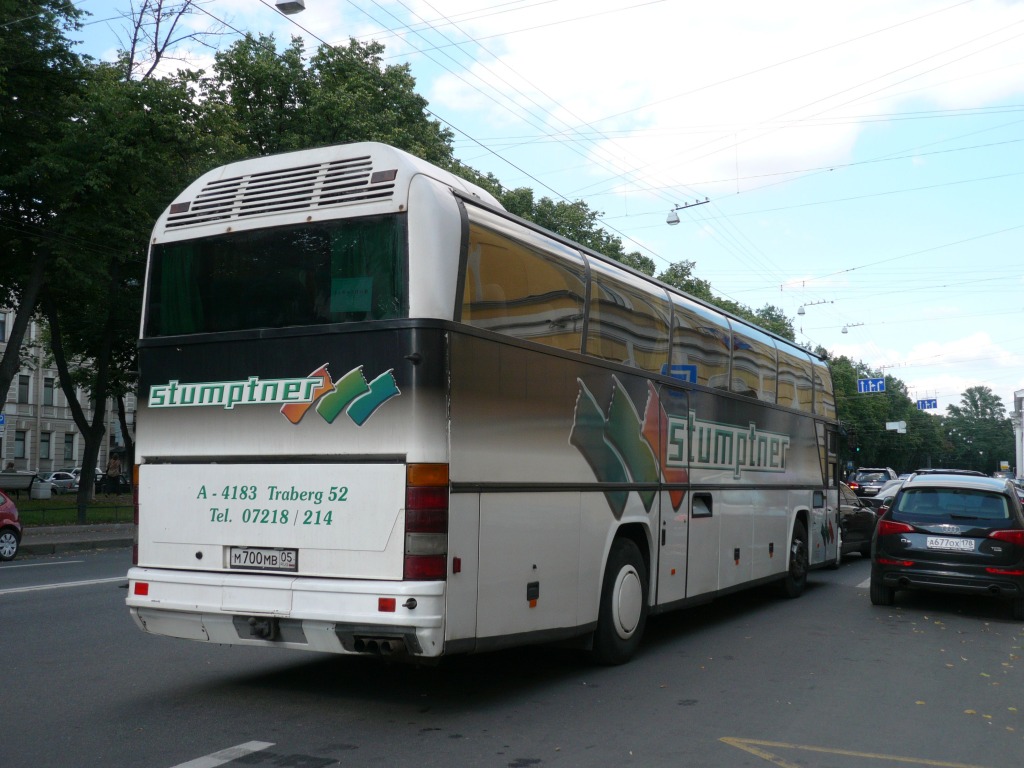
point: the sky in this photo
(862, 160)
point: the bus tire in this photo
(796, 577)
(623, 611)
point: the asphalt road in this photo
(750, 680)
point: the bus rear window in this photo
(338, 271)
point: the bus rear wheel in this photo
(623, 612)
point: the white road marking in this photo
(40, 587)
(864, 584)
(226, 755)
(40, 565)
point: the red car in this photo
(10, 528)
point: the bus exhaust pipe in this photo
(379, 646)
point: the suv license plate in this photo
(958, 545)
(263, 559)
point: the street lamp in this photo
(291, 6)
(673, 217)
(801, 311)
(846, 328)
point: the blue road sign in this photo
(870, 385)
(681, 372)
(925, 405)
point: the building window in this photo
(48, 391)
(69, 447)
(19, 444)
(3, 327)
(44, 445)
(23, 383)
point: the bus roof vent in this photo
(307, 187)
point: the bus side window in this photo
(628, 320)
(754, 365)
(795, 387)
(700, 343)
(527, 286)
(824, 396)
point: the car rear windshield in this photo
(939, 504)
(870, 477)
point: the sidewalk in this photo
(56, 539)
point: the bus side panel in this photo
(751, 469)
(515, 439)
(529, 554)
(464, 566)
(737, 510)
(771, 532)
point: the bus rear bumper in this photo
(390, 618)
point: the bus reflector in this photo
(426, 474)
(426, 522)
(141, 588)
(386, 604)
(425, 567)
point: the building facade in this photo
(39, 433)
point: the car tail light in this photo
(890, 527)
(854, 486)
(426, 522)
(1015, 537)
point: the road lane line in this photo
(753, 746)
(42, 565)
(226, 755)
(864, 584)
(40, 587)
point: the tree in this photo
(279, 102)
(132, 146)
(38, 71)
(979, 433)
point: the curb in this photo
(60, 547)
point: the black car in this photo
(867, 480)
(951, 533)
(856, 522)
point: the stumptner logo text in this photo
(350, 394)
(228, 394)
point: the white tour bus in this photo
(380, 415)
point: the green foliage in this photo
(280, 102)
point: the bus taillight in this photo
(426, 522)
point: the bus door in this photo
(674, 503)
(829, 438)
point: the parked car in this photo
(951, 533)
(867, 480)
(62, 482)
(857, 520)
(10, 528)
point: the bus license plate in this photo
(263, 559)
(958, 545)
